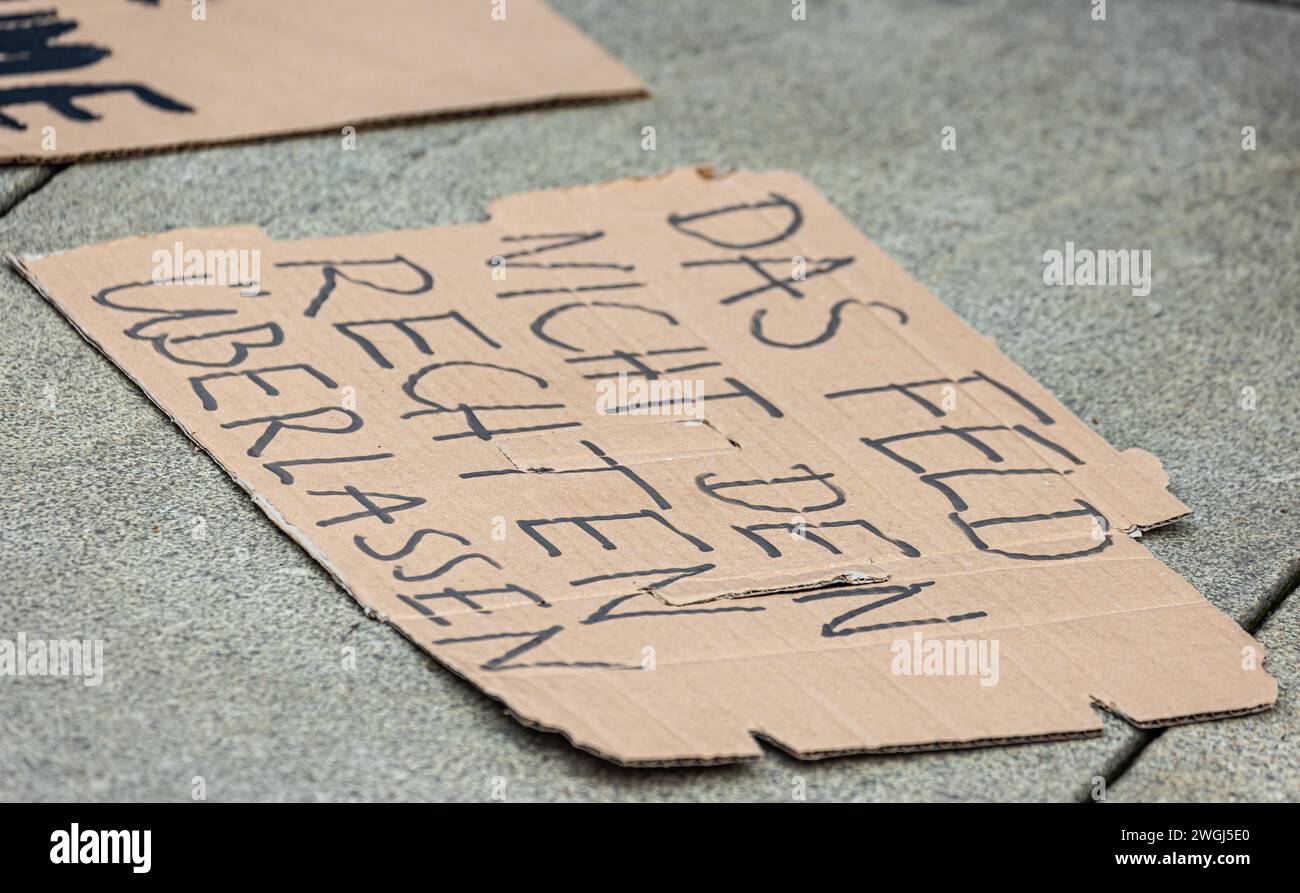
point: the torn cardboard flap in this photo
(668, 465)
(99, 77)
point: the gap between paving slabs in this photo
(27, 180)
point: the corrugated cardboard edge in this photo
(888, 750)
(378, 122)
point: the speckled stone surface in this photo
(16, 183)
(224, 642)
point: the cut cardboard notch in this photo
(102, 77)
(672, 465)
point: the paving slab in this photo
(1251, 760)
(225, 642)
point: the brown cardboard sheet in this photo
(95, 77)
(670, 465)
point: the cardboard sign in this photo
(670, 465)
(86, 77)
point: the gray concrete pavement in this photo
(223, 652)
